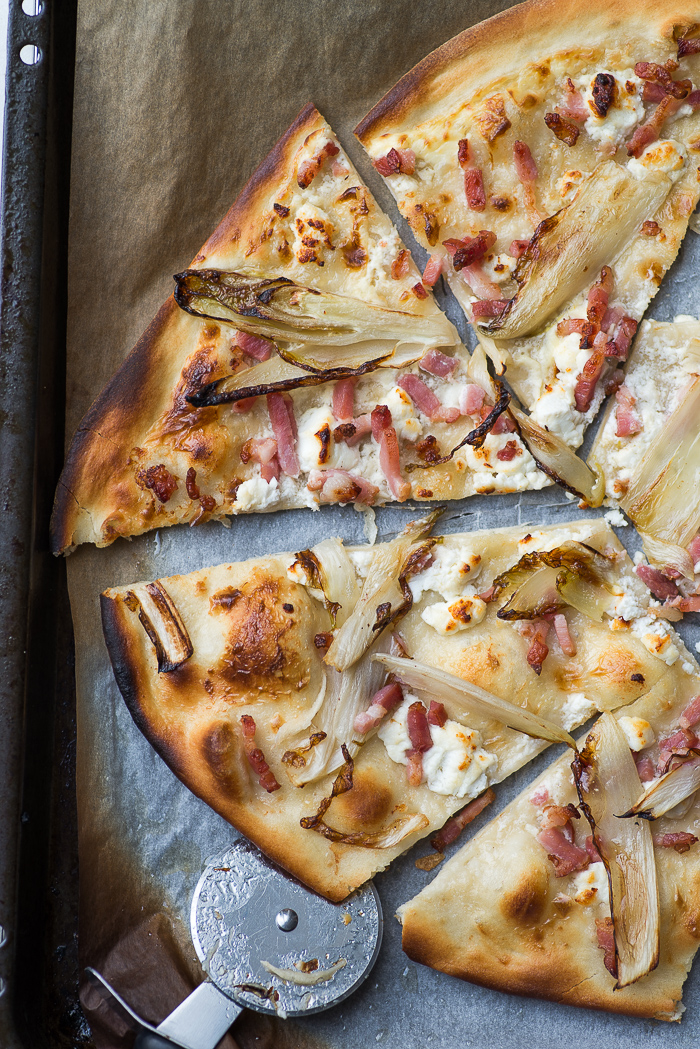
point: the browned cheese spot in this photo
(366, 807)
(525, 903)
(491, 120)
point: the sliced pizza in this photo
(648, 447)
(336, 705)
(301, 361)
(548, 160)
(575, 896)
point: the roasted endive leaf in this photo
(554, 457)
(272, 376)
(608, 783)
(162, 622)
(670, 790)
(569, 248)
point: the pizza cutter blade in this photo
(247, 920)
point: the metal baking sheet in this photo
(174, 108)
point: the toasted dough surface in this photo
(496, 914)
(253, 633)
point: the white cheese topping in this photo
(316, 449)
(450, 573)
(403, 414)
(627, 607)
(614, 517)
(256, 494)
(667, 156)
(655, 636)
(577, 709)
(626, 111)
(591, 885)
(455, 764)
(638, 732)
(448, 619)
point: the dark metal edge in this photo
(38, 836)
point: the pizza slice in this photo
(547, 159)
(525, 906)
(647, 448)
(301, 361)
(336, 705)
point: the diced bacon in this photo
(343, 406)
(262, 450)
(381, 704)
(363, 426)
(586, 381)
(649, 132)
(487, 307)
(390, 459)
(281, 410)
(660, 586)
(481, 285)
(437, 715)
(535, 631)
(381, 418)
(437, 363)
(566, 857)
(605, 931)
(524, 162)
(486, 595)
(624, 334)
(660, 75)
(425, 400)
(560, 816)
(456, 824)
(688, 46)
(678, 744)
(418, 728)
(309, 169)
(694, 548)
(432, 271)
(503, 424)
(471, 249)
(414, 768)
(611, 318)
(256, 758)
(680, 840)
(510, 450)
(592, 850)
(645, 767)
(614, 381)
(628, 422)
(570, 325)
(471, 399)
(255, 346)
(518, 248)
(396, 161)
(652, 92)
(401, 265)
(270, 471)
(338, 169)
(693, 99)
(160, 481)
(339, 486)
(419, 291)
(561, 629)
(244, 405)
(598, 296)
(473, 177)
(687, 604)
(691, 714)
(540, 796)
(573, 107)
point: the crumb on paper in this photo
(616, 519)
(346, 918)
(369, 522)
(430, 862)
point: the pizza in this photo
(525, 906)
(300, 361)
(646, 448)
(338, 704)
(547, 159)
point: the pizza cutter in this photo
(265, 943)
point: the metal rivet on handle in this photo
(287, 920)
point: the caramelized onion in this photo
(467, 697)
(162, 622)
(608, 783)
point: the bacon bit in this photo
(255, 346)
(564, 130)
(381, 418)
(524, 163)
(660, 75)
(592, 850)
(338, 169)
(343, 405)
(565, 856)
(628, 422)
(570, 325)
(677, 745)
(160, 481)
(694, 548)
(488, 307)
(419, 291)
(389, 456)
(687, 604)
(381, 704)
(573, 107)
(414, 769)
(688, 47)
(509, 451)
(471, 249)
(323, 640)
(471, 399)
(652, 92)
(645, 767)
(281, 210)
(518, 248)
(255, 756)
(456, 824)
(437, 715)
(604, 91)
(309, 169)
(535, 631)
(487, 595)
(598, 296)
(363, 426)
(680, 840)
(418, 729)
(191, 483)
(338, 486)
(432, 270)
(613, 382)
(244, 405)
(649, 132)
(605, 931)
(281, 410)
(566, 642)
(587, 379)
(396, 161)
(619, 346)
(425, 400)
(428, 450)
(691, 715)
(503, 424)
(473, 177)
(660, 586)
(437, 363)
(650, 228)
(401, 265)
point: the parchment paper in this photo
(176, 102)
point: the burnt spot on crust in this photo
(500, 203)
(367, 806)
(617, 666)
(221, 750)
(491, 120)
(604, 91)
(224, 600)
(525, 903)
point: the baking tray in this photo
(38, 837)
